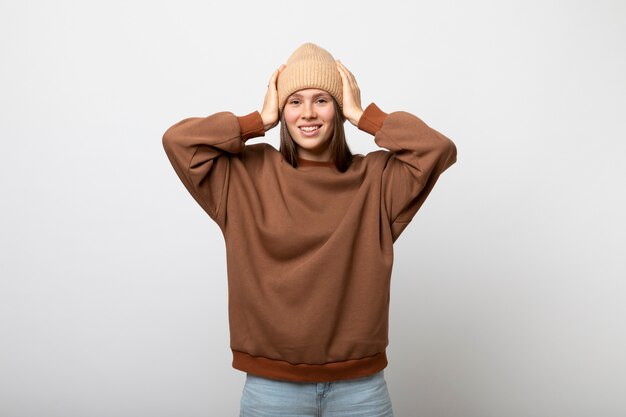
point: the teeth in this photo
(309, 128)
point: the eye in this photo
(293, 101)
(322, 100)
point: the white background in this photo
(508, 292)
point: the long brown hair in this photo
(340, 153)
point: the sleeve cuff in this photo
(251, 125)
(372, 119)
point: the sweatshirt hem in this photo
(332, 371)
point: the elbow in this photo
(176, 134)
(451, 152)
(166, 140)
(447, 150)
(169, 139)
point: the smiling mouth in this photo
(309, 128)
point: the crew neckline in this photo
(311, 163)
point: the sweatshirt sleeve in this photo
(200, 151)
(419, 155)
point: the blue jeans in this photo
(362, 397)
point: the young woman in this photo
(309, 232)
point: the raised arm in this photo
(200, 148)
(419, 155)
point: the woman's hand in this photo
(351, 95)
(269, 113)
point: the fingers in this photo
(275, 75)
(342, 71)
(351, 95)
(272, 79)
(347, 78)
(270, 112)
(345, 73)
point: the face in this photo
(310, 117)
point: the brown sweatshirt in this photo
(309, 250)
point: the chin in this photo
(313, 146)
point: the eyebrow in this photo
(314, 95)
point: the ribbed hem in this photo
(372, 119)
(285, 371)
(251, 125)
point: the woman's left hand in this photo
(352, 109)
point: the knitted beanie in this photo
(310, 67)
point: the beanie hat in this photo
(310, 66)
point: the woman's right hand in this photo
(269, 113)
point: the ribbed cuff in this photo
(372, 119)
(251, 125)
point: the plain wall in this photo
(508, 288)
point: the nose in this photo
(308, 112)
